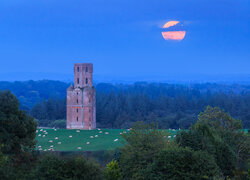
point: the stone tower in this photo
(81, 99)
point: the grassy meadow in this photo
(81, 140)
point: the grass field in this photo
(80, 140)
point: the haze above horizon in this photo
(123, 39)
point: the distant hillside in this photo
(31, 92)
(120, 105)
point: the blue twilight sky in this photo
(123, 38)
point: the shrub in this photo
(55, 167)
(182, 163)
(113, 171)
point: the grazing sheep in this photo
(96, 135)
(70, 136)
(91, 137)
(56, 137)
(79, 148)
(169, 137)
(50, 141)
(100, 131)
(116, 140)
(87, 142)
(106, 133)
(59, 143)
(39, 134)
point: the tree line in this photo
(168, 105)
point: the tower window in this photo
(77, 118)
(86, 80)
(78, 69)
(77, 110)
(77, 80)
(77, 101)
(86, 69)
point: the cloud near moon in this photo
(176, 35)
(170, 23)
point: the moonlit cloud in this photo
(174, 35)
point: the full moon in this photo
(173, 32)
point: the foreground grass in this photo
(81, 140)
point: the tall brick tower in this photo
(81, 99)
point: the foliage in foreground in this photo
(220, 135)
(113, 171)
(142, 146)
(17, 130)
(183, 163)
(54, 167)
(148, 155)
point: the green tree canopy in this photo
(220, 135)
(17, 129)
(183, 163)
(142, 145)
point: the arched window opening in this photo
(86, 80)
